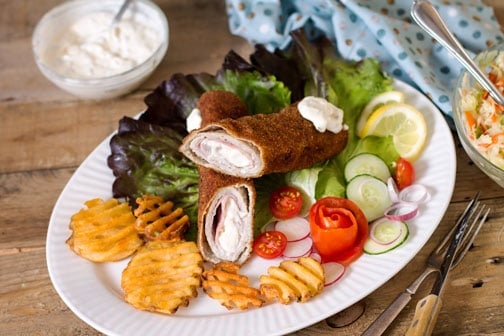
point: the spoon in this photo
(120, 13)
(428, 18)
(100, 35)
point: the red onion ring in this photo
(393, 190)
(415, 193)
(401, 211)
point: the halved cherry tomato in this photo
(404, 173)
(285, 202)
(339, 229)
(270, 244)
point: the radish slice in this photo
(401, 211)
(269, 227)
(384, 231)
(393, 190)
(415, 193)
(333, 271)
(316, 256)
(298, 248)
(294, 229)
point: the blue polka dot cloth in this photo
(381, 29)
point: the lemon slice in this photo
(375, 103)
(404, 122)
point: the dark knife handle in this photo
(386, 318)
(426, 313)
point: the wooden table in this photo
(45, 134)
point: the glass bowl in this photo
(48, 47)
(467, 97)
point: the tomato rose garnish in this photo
(339, 229)
(285, 202)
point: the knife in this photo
(427, 309)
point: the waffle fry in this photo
(298, 280)
(163, 276)
(157, 220)
(231, 289)
(104, 231)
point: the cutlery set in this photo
(446, 256)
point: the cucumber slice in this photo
(367, 163)
(385, 235)
(370, 194)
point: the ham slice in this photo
(255, 145)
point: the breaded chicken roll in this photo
(226, 203)
(255, 145)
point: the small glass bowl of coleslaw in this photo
(479, 120)
(76, 47)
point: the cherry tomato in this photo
(339, 229)
(285, 202)
(270, 244)
(404, 173)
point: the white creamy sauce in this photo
(91, 49)
(322, 114)
(193, 120)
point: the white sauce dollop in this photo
(193, 120)
(322, 114)
(91, 49)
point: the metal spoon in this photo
(428, 18)
(120, 13)
(101, 35)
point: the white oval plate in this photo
(93, 291)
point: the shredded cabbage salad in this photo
(483, 116)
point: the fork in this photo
(433, 263)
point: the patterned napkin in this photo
(382, 29)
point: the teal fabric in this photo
(381, 29)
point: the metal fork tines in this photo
(477, 214)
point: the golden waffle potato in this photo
(298, 280)
(157, 220)
(231, 289)
(163, 276)
(104, 231)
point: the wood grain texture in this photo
(45, 134)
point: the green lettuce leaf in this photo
(145, 160)
(261, 94)
(331, 181)
(265, 186)
(382, 147)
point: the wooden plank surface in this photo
(45, 134)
